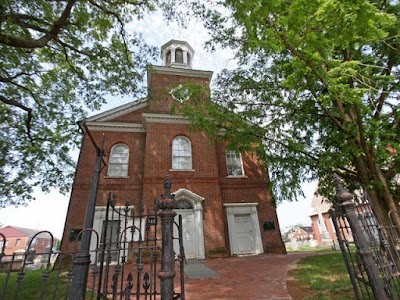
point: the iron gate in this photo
(370, 251)
(125, 262)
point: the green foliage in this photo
(317, 82)
(58, 61)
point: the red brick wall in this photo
(160, 86)
(150, 160)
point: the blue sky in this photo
(49, 210)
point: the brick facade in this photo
(148, 128)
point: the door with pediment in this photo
(189, 234)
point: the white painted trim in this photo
(115, 126)
(197, 202)
(119, 110)
(164, 118)
(178, 71)
(233, 209)
(99, 217)
(241, 204)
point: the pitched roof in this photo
(307, 229)
(14, 231)
(119, 110)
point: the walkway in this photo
(242, 278)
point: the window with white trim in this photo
(234, 163)
(118, 163)
(181, 153)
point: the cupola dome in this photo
(177, 54)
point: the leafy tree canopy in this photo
(320, 82)
(59, 58)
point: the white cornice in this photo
(178, 71)
(184, 193)
(240, 204)
(164, 118)
(115, 126)
(119, 111)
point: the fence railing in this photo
(129, 260)
(370, 250)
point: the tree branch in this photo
(28, 110)
(42, 41)
(122, 30)
(11, 78)
(295, 52)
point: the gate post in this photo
(344, 197)
(166, 203)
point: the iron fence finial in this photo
(167, 186)
(342, 194)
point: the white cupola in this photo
(177, 54)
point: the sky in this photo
(48, 212)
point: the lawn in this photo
(32, 286)
(322, 277)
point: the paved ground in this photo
(242, 278)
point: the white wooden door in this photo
(244, 236)
(188, 233)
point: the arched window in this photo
(118, 163)
(181, 154)
(184, 204)
(168, 58)
(234, 163)
(179, 56)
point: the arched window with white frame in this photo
(119, 161)
(181, 153)
(234, 163)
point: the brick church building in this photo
(222, 195)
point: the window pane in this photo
(118, 164)
(181, 154)
(234, 163)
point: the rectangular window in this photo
(234, 163)
(17, 242)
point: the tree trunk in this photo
(382, 199)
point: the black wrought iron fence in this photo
(369, 249)
(125, 261)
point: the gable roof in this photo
(14, 231)
(307, 229)
(119, 110)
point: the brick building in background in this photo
(222, 195)
(19, 239)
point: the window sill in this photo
(239, 176)
(182, 170)
(115, 177)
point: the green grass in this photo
(32, 284)
(324, 276)
(312, 249)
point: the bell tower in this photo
(176, 71)
(178, 54)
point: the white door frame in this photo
(197, 202)
(99, 217)
(233, 209)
